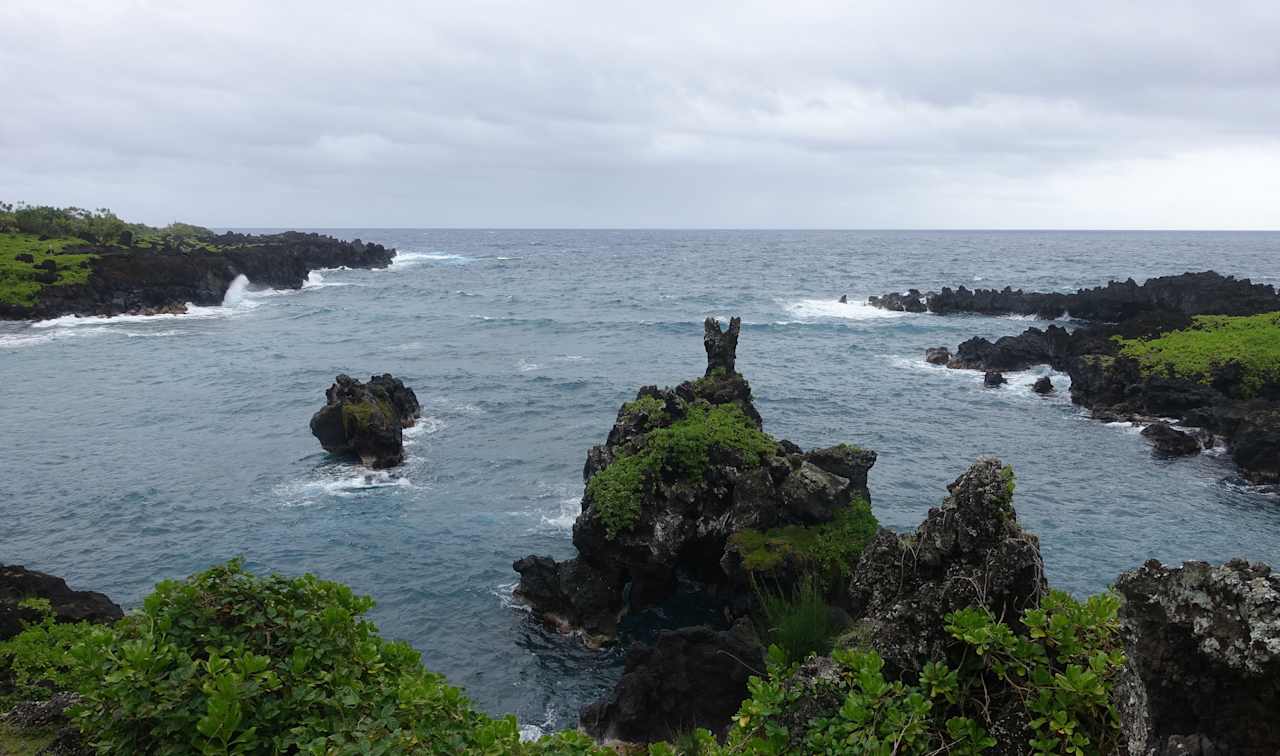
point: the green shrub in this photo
(1213, 340)
(798, 622)
(682, 449)
(226, 662)
(37, 662)
(829, 550)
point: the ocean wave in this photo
(339, 482)
(425, 426)
(413, 258)
(526, 366)
(570, 508)
(816, 309)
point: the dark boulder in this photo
(366, 419)
(844, 299)
(24, 257)
(911, 301)
(1170, 441)
(1043, 385)
(993, 379)
(971, 551)
(1202, 674)
(18, 583)
(937, 355)
(691, 677)
(572, 595)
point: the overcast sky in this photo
(652, 114)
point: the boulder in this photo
(24, 257)
(366, 419)
(911, 301)
(572, 595)
(691, 677)
(1043, 385)
(971, 551)
(993, 379)
(937, 355)
(1202, 674)
(18, 583)
(1170, 441)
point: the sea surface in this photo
(138, 449)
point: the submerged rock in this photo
(993, 379)
(689, 678)
(366, 419)
(1043, 385)
(971, 551)
(1203, 668)
(937, 355)
(1169, 440)
(18, 583)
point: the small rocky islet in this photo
(1201, 349)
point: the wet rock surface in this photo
(1043, 385)
(18, 583)
(1203, 670)
(1170, 441)
(366, 419)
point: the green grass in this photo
(1213, 340)
(15, 742)
(828, 550)
(17, 279)
(682, 449)
(799, 622)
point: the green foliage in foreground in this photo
(1212, 341)
(681, 450)
(799, 623)
(1059, 674)
(37, 662)
(829, 550)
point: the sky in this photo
(795, 114)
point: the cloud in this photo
(874, 114)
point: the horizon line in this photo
(751, 228)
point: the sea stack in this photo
(367, 419)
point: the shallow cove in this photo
(138, 449)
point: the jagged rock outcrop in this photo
(1170, 441)
(691, 677)
(18, 583)
(1203, 670)
(971, 551)
(993, 379)
(937, 355)
(125, 279)
(683, 470)
(367, 419)
(1043, 385)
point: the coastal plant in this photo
(37, 662)
(798, 621)
(680, 451)
(828, 551)
(1211, 342)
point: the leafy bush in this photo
(1058, 675)
(797, 622)
(1193, 353)
(37, 662)
(226, 662)
(829, 550)
(682, 449)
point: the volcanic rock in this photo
(937, 355)
(366, 419)
(1043, 385)
(1170, 441)
(993, 378)
(18, 583)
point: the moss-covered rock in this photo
(366, 420)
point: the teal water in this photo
(138, 449)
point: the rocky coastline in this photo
(1226, 400)
(165, 275)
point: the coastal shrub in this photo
(1058, 673)
(37, 662)
(829, 550)
(650, 408)
(682, 450)
(227, 662)
(798, 621)
(1253, 342)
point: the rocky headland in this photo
(1199, 348)
(59, 263)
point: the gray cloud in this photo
(996, 114)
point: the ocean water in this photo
(138, 449)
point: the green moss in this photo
(682, 449)
(1010, 483)
(830, 550)
(18, 284)
(1214, 340)
(652, 409)
(360, 414)
(15, 742)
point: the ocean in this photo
(137, 449)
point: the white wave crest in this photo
(827, 309)
(338, 483)
(570, 508)
(414, 258)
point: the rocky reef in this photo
(18, 584)
(366, 419)
(687, 484)
(1200, 348)
(85, 278)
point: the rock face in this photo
(691, 677)
(686, 505)
(971, 551)
(1203, 670)
(993, 379)
(366, 419)
(1171, 441)
(1043, 385)
(132, 280)
(18, 583)
(937, 355)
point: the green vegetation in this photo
(800, 622)
(1058, 675)
(40, 656)
(828, 550)
(18, 278)
(650, 409)
(359, 414)
(681, 449)
(1212, 341)
(14, 742)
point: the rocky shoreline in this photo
(1224, 403)
(163, 277)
